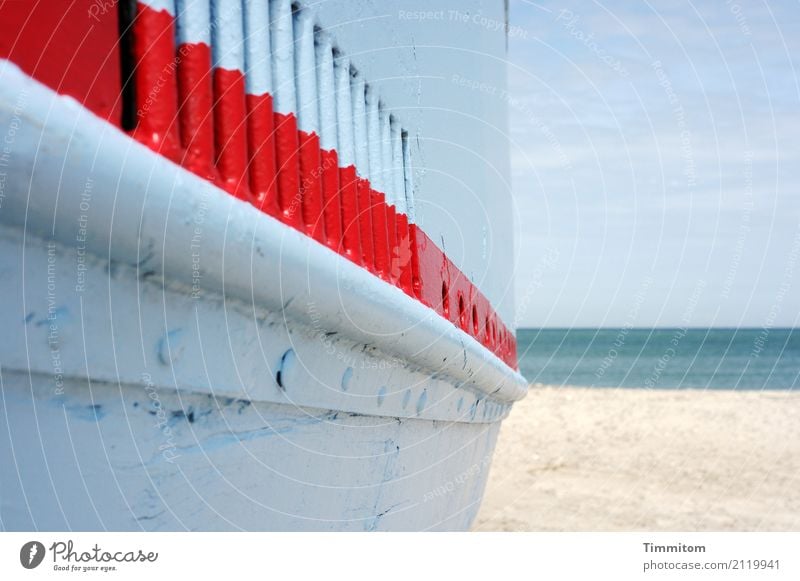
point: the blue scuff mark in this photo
(423, 399)
(346, 378)
(218, 441)
(87, 413)
(61, 312)
(163, 345)
(392, 451)
(287, 361)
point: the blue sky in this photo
(656, 163)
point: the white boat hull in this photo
(139, 395)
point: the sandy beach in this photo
(576, 459)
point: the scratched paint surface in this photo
(199, 75)
(171, 429)
(133, 457)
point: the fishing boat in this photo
(257, 264)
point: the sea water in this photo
(662, 358)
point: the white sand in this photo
(574, 459)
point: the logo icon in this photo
(31, 554)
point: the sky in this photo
(655, 163)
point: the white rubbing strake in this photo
(326, 85)
(374, 139)
(227, 34)
(258, 66)
(167, 5)
(358, 94)
(193, 21)
(386, 157)
(397, 166)
(344, 112)
(408, 178)
(282, 38)
(305, 65)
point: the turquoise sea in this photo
(662, 358)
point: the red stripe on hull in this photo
(72, 47)
(230, 136)
(286, 158)
(156, 82)
(351, 224)
(196, 121)
(380, 234)
(403, 256)
(311, 185)
(261, 140)
(200, 116)
(365, 223)
(431, 277)
(394, 253)
(332, 202)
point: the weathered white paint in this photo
(193, 21)
(386, 156)
(398, 178)
(140, 392)
(344, 112)
(305, 71)
(258, 64)
(360, 131)
(282, 39)
(326, 85)
(408, 180)
(374, 139)
(202, 342)
(286, 269)
(95, 458)
(227, 35)
(426, 72)
(167, 5)
(430, 72)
